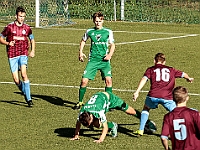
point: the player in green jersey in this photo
(93, 114)
(101, 51)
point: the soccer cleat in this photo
(139, 132)
(30, 103)
(78, 105)
(150, 127)
(114, 130)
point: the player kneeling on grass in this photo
(93, 114)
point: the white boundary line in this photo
(92, 88)
(116, 31)
(123, 43)
(158, 39)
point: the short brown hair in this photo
(85, 118)
(20, 9)
(180, 94)
(159, 57)
(98, 14)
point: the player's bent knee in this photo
(131, 111)
(84, 82)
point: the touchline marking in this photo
(54, 43)
(123, 43)
(116, 31)
(158, 39)
(92, 88)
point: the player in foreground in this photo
(162, 79)
(17, 34)
(93, 114)
(101, 51)
(182, 124)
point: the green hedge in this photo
(180, 11)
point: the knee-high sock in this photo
(144, 118)
(138, 114)
(110, 125)
(21, 86)
(27, 90)
(108, 89)
(82, 91)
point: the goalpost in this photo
(41, 13)
(51, 13)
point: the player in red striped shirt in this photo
(162, 80)
(182, 124)
(18, 39)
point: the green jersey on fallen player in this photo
(100, 103)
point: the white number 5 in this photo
(180, 129)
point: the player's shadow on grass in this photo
(14, 102)
(69, 132)
(129, 132)
(126, 131)
(51, 99)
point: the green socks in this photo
(82, 91)
(108, 89)
(138, 114)
(110, 125)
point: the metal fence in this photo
(173, 11)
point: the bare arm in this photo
(165, 143)
(140, 86)
(186, 76)
(32, 53)
(3, 41)
(112, 49)
(104, 132)
(78, 126)
(81, 54)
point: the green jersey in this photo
(99, 105)
(100, 39)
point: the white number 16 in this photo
(162, 74)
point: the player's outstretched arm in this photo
(140, 86)
(186, 76)
(104, 132)
(76, 136)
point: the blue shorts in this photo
(16, 62)
(153, 102)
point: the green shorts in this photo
(93, 66)
(117, 103)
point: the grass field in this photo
(55, 75)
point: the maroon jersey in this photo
(20, 35)
(162, 80)
(183, 127)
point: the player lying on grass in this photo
(182, 124)
(93, 114)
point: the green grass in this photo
(51, 122)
